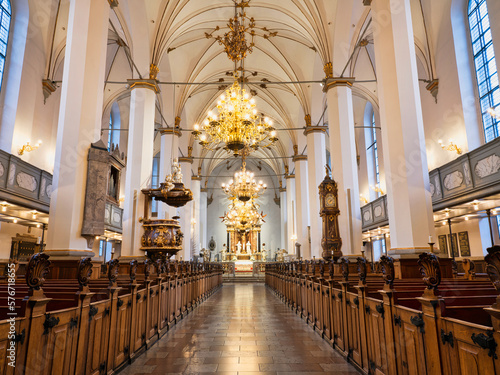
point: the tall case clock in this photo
(329, 212)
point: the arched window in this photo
(372, 157)
(155, 183)
(5, 16)
(486, 68)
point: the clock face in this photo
(329, 200)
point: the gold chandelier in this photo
(243, 215)
(234, 41)
(243, 187)
(236, 125)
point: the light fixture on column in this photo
(34, 215)
(28, 147)
(377, 189)
(294, 237)
(236, 127)
(450, 147)
(243, 187)
(4, 206)
(193, 221)
(363, 199)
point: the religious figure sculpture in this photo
(238, 247)
(223, 252)
(248, 247)
(174, 177)
(281, 255)
(264, 254)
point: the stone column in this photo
(302, 204)
(186, 212)
(203, 218)
(284, 218)
(405, 160)
(169, 152)
(139, 165)
(196, 203)
(494, 11)
(79, 124)
(344, 161)
(291, 213)
(316, 150)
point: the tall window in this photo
(110, 131)
(375, 150)
(155, 183)
(5, 16)
(485, 65)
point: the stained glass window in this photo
(5, 16)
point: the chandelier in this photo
(243, 187)
(243, 215)
(236, 125)
(234, 41)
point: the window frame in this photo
(5, 57)
(472, 57)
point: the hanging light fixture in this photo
(243, 187)
(235, 126)
(243, 215)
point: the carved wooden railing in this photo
(97, 326)
(384, 325)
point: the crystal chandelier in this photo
(243, 187)
(236, 125)
(243, 215)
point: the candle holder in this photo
(431, 246)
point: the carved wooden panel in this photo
(377, 356)
(409, 334)
(353, 327)
(97, 348)
(123, 325)
(326, 311)
(338, 319)
(140, 325)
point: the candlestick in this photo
(431, 245)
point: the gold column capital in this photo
(153, 71)
(315, 129)
(184, 159)
(337, 81)
(288, 176)
(151, 84)
(299, 158)
(173, 131)
(308, 120)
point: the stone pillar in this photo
(139, 166)
(169, 152)
(196, 203)
(186, 212)
(405, 160)
(203, 218)
(302, 204)
(344, 161)
(284, 218)
(79, 124)
(291, 213)
(494, 11)
(316, 162)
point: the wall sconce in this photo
(294, 237)
(14, 221)
(4, 206)
(193, 221)
(377, 189)
(34, 215)
(363, 199)
(451, 147)
(28, 148)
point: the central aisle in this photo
(243, 329)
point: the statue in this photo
(205, 253)
(248, 247)
(223, 252)
(238, 247)
(281, 255)
(176, 172)
(264, 255)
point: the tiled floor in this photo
(243, 329)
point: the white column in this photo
(407, 176)
(284, 219)
(186, 212)
(302, 204)
(291, 213)
(316, 161)
(203, 218)
(139, 167)
(344, 162)
(168, 152)
(494, 13)
(79, 123)
(196, 206)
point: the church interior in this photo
(249, 187)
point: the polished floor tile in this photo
(243, 329)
